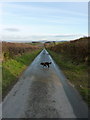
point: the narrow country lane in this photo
(43, 93)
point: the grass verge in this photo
(76, 74)
(12, 69)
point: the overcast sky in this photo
(43, 20)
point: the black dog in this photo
(46, 64)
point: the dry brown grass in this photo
(10, 50)
(77, 49)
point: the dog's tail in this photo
(50, 62)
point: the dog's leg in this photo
(48, 65)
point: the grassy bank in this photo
(76, 73)
(12, 69)
(77, 50)
(10, 50)
(0, 81)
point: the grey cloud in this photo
(12, 29)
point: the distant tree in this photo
(54, 43)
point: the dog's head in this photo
(41, 63)
(50, 62)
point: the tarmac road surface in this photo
(43, 93)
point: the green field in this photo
(76, 73)
(13, 68)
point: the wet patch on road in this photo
(40, 104)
